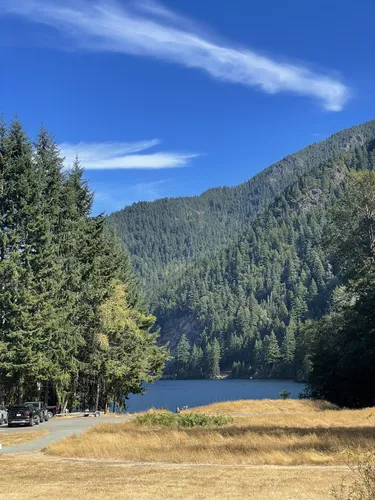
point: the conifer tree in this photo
(182, 358)
(213, 359)
(25, 235)
(258, 355)
(271, 350)
(288, 346)
(196, 362)
(62, 273)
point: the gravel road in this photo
(58, 428)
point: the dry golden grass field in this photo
(13, 438)
(248, 406)
(305, 438)
(43, 477)
(278, 450)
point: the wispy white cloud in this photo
(122, 155)
(147, 28)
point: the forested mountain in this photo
(291, 295)
(242, 307)
(163, 234)
(72, 322)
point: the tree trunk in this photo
(97, 396)
(46, 394)
(74, 396)
(64, 406)
(20, 391)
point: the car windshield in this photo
(36, 405)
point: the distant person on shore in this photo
(178, 410)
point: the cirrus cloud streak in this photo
(147, 28)
(122, 155)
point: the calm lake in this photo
(169, 394)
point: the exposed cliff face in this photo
(183, 323)
(354, 140)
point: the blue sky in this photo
(172, 98)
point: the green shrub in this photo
(326, 405)
(284, 394)
(168, 419)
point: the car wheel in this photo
(10, 425)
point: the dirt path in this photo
(38, 455)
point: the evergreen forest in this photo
(241, 309)
(162, 235)
(270, 279)
(73, 327)
(248, 280)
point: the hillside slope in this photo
(241, 307)
(161, 235)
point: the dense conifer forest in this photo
(73, 324)
(242, 308)
(163, 234)
(273, 278)
(241, 274)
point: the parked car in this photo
(3, 415)
(42, 410)
(24, 414)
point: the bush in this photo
(326, 405)
(363, 486)
(168, 419)
(284, 394)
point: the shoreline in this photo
(227, 377)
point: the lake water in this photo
(169, 394)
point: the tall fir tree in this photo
(59, 270)
(183, 357)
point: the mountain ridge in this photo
(251, 298)
(163, 233)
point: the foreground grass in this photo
(305, 438)
(13, 438)
(43, 477)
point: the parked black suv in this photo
(41, 408)
(24, 414)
